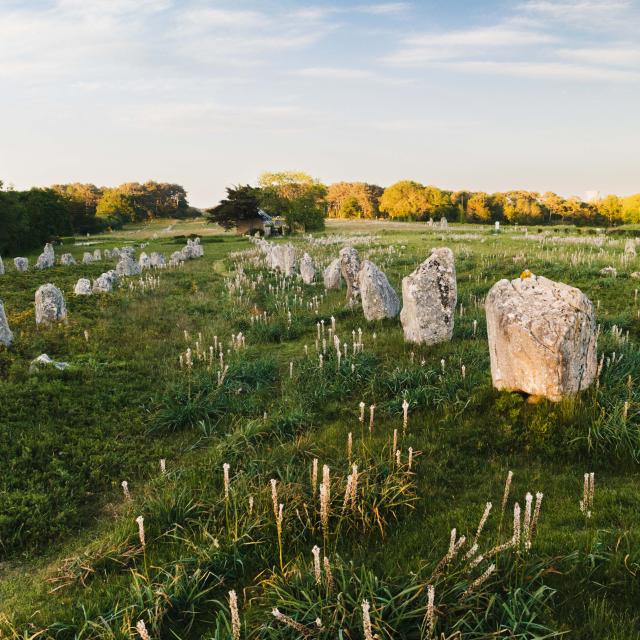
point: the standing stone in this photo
(97, 255)
(444, 223)
(50, 305)
(107, 254)
(66, 259)
(379, 300)
(350, 268)
(21, 264)
(157, 259)
(127, 266)
(6, 335)
(87, 257)
(332, 276)
(83, 287)
(47, 258)
(289, 254)
(630, 248)
(102, 284)
(277, 258)
(307, 269)
(497, 225)
(429, 297)
(542, 337)
(144, 261)
(1, 267)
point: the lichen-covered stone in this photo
(105, 282)
(542, 337)
(83, 287)
(429, 297)
(50, 306)
(144, 261)
(379, 300)
(127, 266)
(157, 259)
(6, 335)
(97, 255)
(350, 268)
(47, 258)
(1, 267)
(307, 269)
(21, 264)
(87, 257)
(66, 259)
(332, 276)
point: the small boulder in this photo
(127, 266)
(21, 264)
(6, 335)
(66, 259)
(429, 297)
(144, 261)
(97, 255)
(157, 259)
(542, 337)
(379, 300)
(307, 269)
(50, 306)
(45, 360)
(47, 258)
(630, 248)
(609, 271)
(332, 276)
(350, 268)
(87, 257)
(83, 287)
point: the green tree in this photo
(353, 200)
(116, 204)
(479, 208)
(405, 199)
(610, 208)
(631, 208)
(240, 204)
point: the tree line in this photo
(304, 202)
(30, 218)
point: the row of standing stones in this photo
(541, 333)
(49, 300)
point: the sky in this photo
(462, 94)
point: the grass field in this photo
(72, 562)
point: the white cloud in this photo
(611, 56)
(339, 73)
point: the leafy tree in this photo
(523, 207)
(353, 200)
(82, 202)
(610, 208)
(631, 208)
(405, 199)
(479, 208)
(117, 205)
(240, 204)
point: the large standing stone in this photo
(87, 257)
(192, 250)
(157, 259)
(97, 255)
(429, 297)
(6, 335)
(47, 258)
(350, 268)
(144, 261)
(379, 300)
(21, 264)
(542, 337)
(127, 266)
(307, 269)
(83, 287)
(66, 259)
(50, 305)
(289, 259)
(1, 267)
(332, 276)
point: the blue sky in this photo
(532, 94)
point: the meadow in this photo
(274, 493)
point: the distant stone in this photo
(83, 287)
(429, 297)
(350, 268)
(127, 266)
(542, 337)
(105, 282)
(6, 335)
(157, 259)
(379, 300)
(66, 259)
(130, 251)
(635, 274)
(144, 261)
(50, 306)
(107, 254)
(332, 276)
(1, 267)
(97, 255)
(630, 248)
(289, 259)
(444, 223)
(47, 258)
(193, 250)
(609, 271)
(307, 269)
(21, 264)
(87, 257)
(45, 360)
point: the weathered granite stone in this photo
(47, 258)
(193, 250)
(45, 360)
(105, 282)
(307, 269)
(50, 306)
(144, 261)
(66, 259)
(429, 297)
(1, 267)
(444, 223)
(630, 248)
(289, 259)
(87, 257)
(609, 271)
(127, 266)
(21, 264)
(350, 268)
(83, 287)
(332, 276)
(97, 255)
(379, 300)
(157, 259)
(542, 337)
(6, 335)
